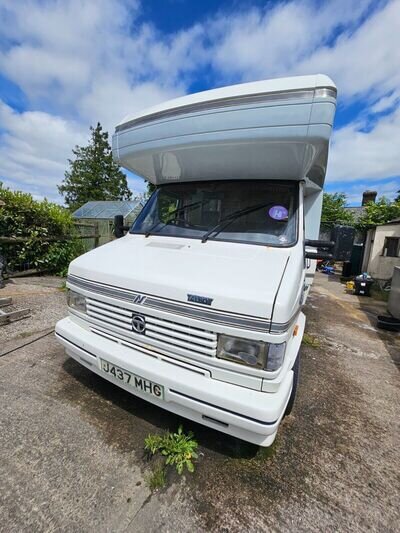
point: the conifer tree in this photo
(93, 174)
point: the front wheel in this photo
(296, 374)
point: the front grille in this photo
(160, 332)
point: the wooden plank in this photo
(25, 273)
(84, 225)
(5, 301)
(13, 316)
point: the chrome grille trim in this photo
(170, 334)
(210, 316)
(243, 322)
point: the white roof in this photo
(242, 89)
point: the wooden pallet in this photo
(11, 316)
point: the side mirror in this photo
(319, 254)
(119, 228)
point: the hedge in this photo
(40, 222)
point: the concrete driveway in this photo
(72, 444)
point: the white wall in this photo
(380, 267)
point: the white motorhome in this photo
(198, 308)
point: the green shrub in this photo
(39, 222)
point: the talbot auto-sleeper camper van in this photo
(198, 308)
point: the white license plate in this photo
(136, 382)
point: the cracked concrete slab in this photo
(72, 443)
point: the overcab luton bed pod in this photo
(261, 130)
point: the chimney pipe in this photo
(368, 196)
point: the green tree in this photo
(150, 188)
(379, 213)
(397, 199)
(93, 174)
(334, 210)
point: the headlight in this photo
(76, 301)
(251, 353)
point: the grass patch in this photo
(264, 454)
(309, 340)
(158, 478)
(379, 294)
(178, 449)
(63, 286)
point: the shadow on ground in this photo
(107, 402)
(233, 476)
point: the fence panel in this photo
(89, 233)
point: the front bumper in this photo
(248, 414)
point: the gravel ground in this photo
(44, 296)
(73, 444)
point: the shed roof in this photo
(106, 209)
(357, 211)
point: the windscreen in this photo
(251, 211)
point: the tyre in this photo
(296, 374)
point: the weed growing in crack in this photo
(157, 479)
(177, 448)
(309, 340)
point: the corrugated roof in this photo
(106, 209)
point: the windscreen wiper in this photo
(230, 218)
(180, 209)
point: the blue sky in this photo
(65, 65)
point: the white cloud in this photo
(79, 63)
(298, 38)
(391, 101)
(34, 147)
(354, 192)
(110, 100)
(373, 154)
(363, 62)
(93, 58)
(272, 42)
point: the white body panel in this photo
(265, 130)
(262, 130)
(172, 267)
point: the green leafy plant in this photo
(41, 224)
(379, 213)
(153, 443)
(179, 449)
(334, 210)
